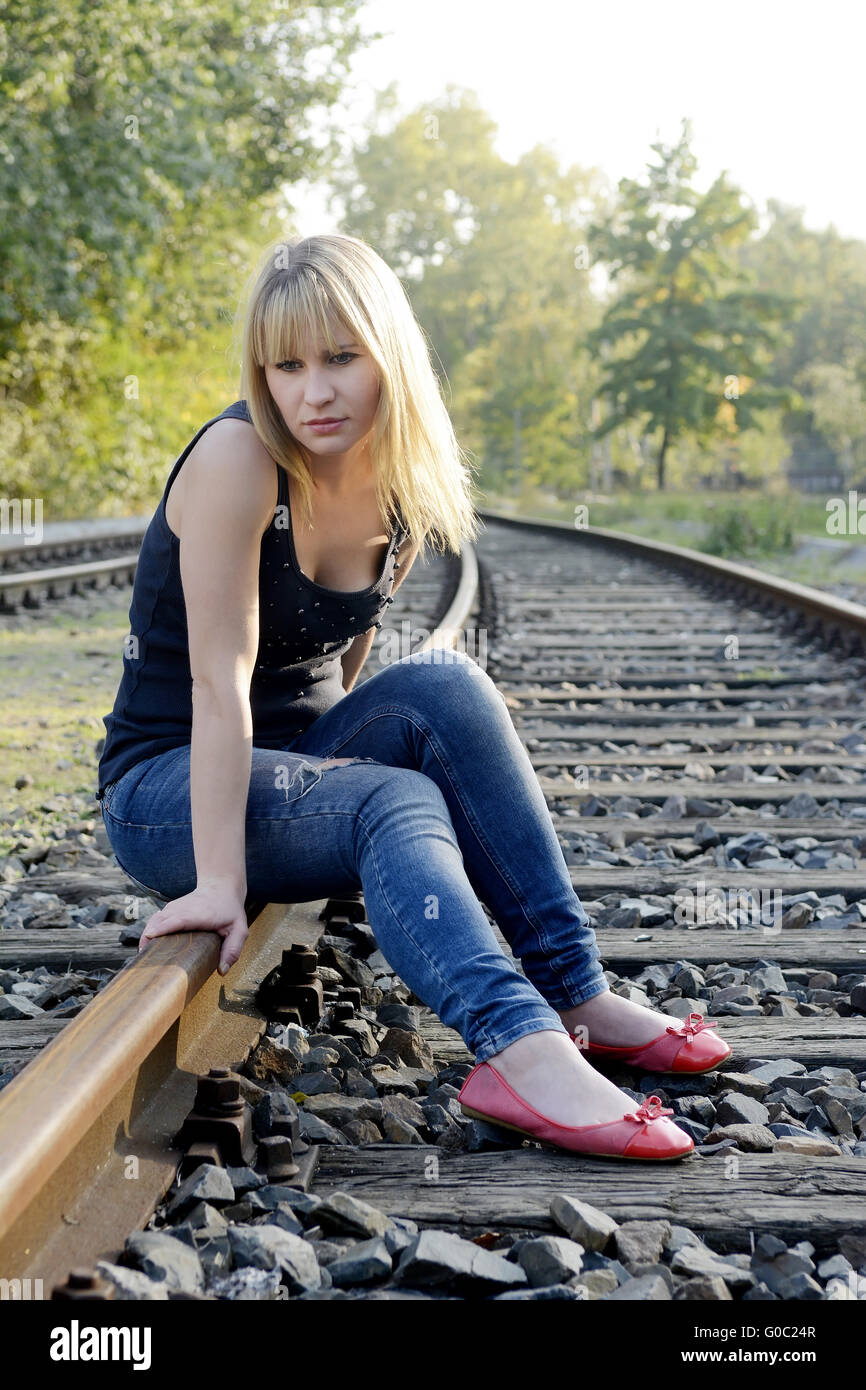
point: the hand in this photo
(209, 907)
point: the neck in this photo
(342, 477)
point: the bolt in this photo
(219, 1093)
(276, 1155)
(83, 1284)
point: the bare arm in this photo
(231, 491)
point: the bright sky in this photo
(774, 88)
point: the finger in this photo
(232, 946)
(151, 929)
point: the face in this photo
(341, 386)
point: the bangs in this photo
(296, 308)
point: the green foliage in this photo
(143, 151)
(486, 249)
(685, 329)
(736, 532)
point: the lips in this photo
(331, 420)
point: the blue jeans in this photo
(442, 808)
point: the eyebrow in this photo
(341, 347)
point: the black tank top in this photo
(304, 629)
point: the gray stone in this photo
(14, 1007)
(680, 1236)
(359, 1031)
(269, 1247)
(694, 1129)
(814, 1145)
(319, 1059)
(338, 1110)
(561, 1292)
(760, 1293)
(403, 1108)
(593, 1259)
(777, 1273)
(443, 1259)
(642, 1269)
(550, 1259)
(656, 977)
(689, 979)
(369, 1260)
(836, 1267)
(408, 1047)
(748, 1137)
(746, 1083)
(248, 1285)
(586, 1224)
(398, 1131)
(733, 1108)
(706, 1288)
(245, 1180)
(274, 1195)
(131, 1285)
(697, 1261)
(405, 1016)
(732, 994)
(853, 1247)
(648, 1288)
(768, 979)
(341, 1212)
(355, 1083)
(699, 1108)
(280, 1053)
(315, 1130)
(802, 1286)
(773, 1071)
(767, 1247)
(363, 1132)
(166, 1260)
(438, 1121)
(317, 1083)
(207, 1183)
(480, 1137)
(641, 1241)
(597, 1282)
(852, 1102)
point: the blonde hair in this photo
(418, 465)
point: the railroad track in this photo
(71, 558)
(699, 732)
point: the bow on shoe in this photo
(652, 1109)
(690, 1027)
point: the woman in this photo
(239, 758)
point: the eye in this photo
(292, 361)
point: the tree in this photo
(487, 251)
(142, 145)
(684, 332)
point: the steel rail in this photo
(835, 613)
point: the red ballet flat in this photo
(644, 1133)
(683, 1047)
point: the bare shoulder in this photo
(229, 458)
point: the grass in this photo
(61, 672)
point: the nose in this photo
(319, 389)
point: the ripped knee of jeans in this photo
(309, 774)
